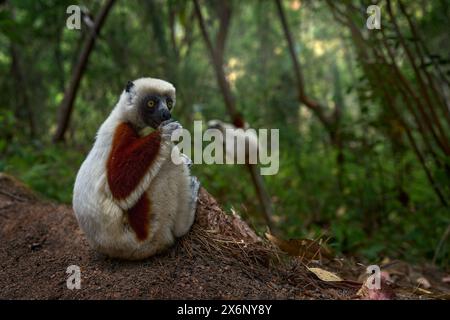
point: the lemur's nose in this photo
(165, 115)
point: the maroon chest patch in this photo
(130, 158)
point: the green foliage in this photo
(47, 169)
(376, 203)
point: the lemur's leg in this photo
(195, 186)
(186, 214)
(194, 183)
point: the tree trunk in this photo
(23, 102)
(66, 107)
(317, 108)
(216, 54)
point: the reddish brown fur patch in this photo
(238, 122)
(130, 158)
(139, 216)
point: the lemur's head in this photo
(147, 102)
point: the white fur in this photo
(104, 219)
(230, 139)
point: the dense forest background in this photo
(363, 114)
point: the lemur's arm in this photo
(133, 162)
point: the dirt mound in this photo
(220, 258)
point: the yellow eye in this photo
(151, 103)
(170, 104)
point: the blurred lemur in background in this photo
(130, 199)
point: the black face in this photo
(155, 109)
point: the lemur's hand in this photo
(167, 128)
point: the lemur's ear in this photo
(130, 85)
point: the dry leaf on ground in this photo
(325, 275)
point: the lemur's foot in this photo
(195, 186)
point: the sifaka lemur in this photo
(130, 199)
